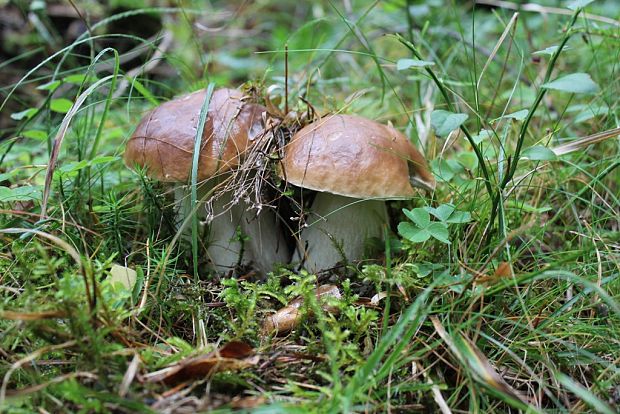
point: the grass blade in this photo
(194, 176)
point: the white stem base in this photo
(337, 230)
(263, 246)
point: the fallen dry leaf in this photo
(503, 270)
(247, 403)
(233, 356)
(287, 318)
(32, 316)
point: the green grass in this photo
(520, 312)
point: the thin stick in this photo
(286, 79)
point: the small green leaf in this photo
(439, 231)
(103, 159)
(447, 213)
(483, 135)
(61, 105)
(419, 216)
(35, 134)
(573, 83)
(519, 115)
(78, 78)
(25, 114)
(459, 217)
(49, 86)
(446, 170)
(578, 4)
(445, 122)
(442, 212)
(528, 208)
(538, 153)
(468, 160)
(587, 112)
(550, 50)
(403, 64)
(73, 167)
(412, 233)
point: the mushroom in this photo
(163, 143)
(355, 164)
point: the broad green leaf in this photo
(573, 83)
(538, 153)
(61, 105)
(412, 233)
(439, 231)
(419, 216)
(24, 193)
(445, 122)
(25, 114)
(403, 64)
(49, 86)
(578, 4)
(35, 134)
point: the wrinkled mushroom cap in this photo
(355, 157)
(163, 142)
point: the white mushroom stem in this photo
(338, 228)
(261, 245)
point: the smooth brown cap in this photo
(163, 142)
(355, 157)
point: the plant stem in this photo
(444, 93)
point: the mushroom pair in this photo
(163, 144)
(355, 164)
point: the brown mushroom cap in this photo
(354, 157)
(163, 142)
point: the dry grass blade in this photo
(58, 140)
(499, 43)
(130, 374)
(585, 141)
(470, 356)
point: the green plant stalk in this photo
(444, 93)
(512, 168)
(400, 336)
(194, 174)
(388, 274)
(106, 109)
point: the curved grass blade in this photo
(194, 176)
